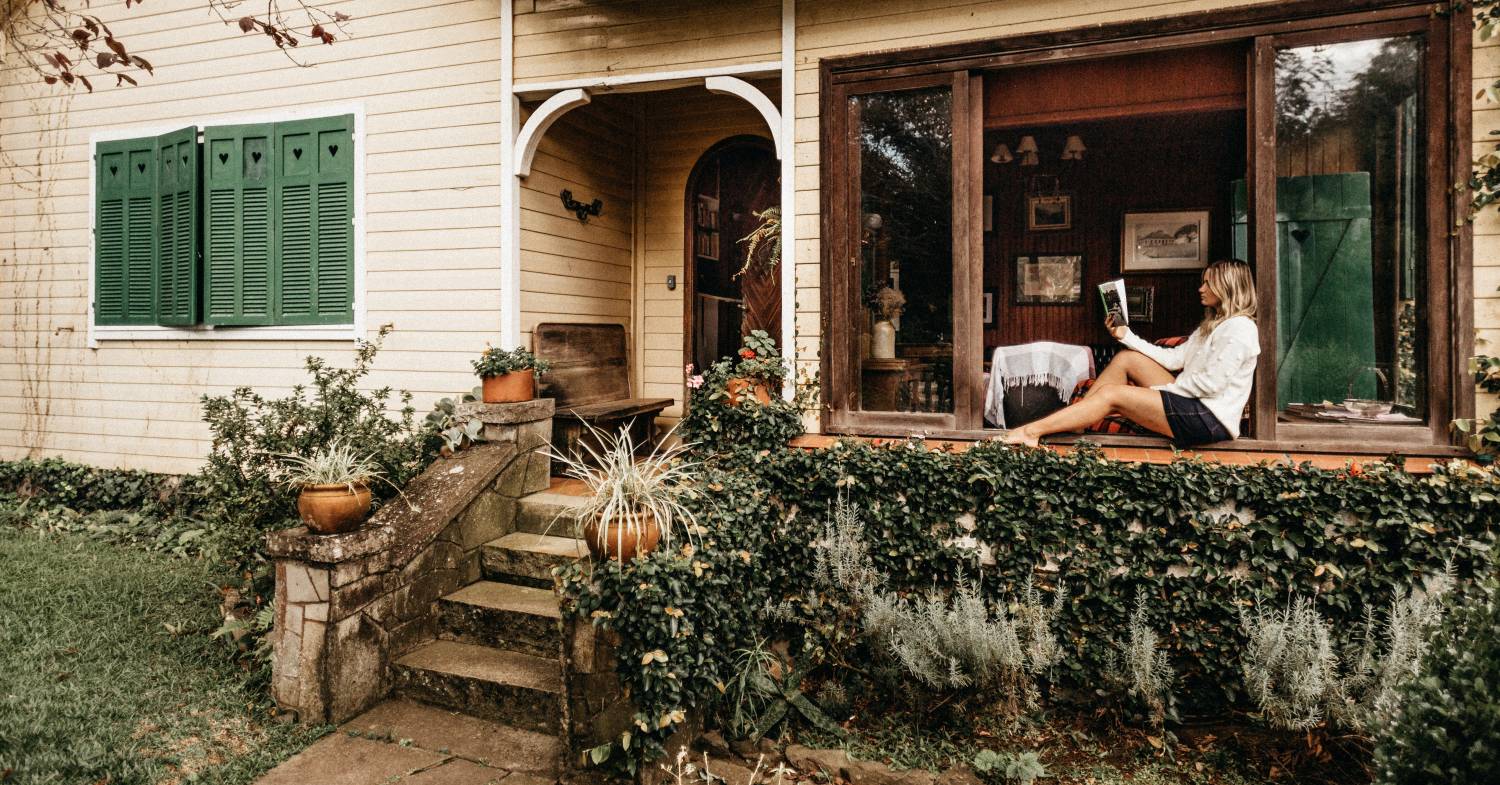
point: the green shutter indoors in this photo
(238, 225)
(177, 228)
(125, 236)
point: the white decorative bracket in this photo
(731, 85)
(542, 119)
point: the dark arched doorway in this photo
(733, 181)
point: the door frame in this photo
(689, 262)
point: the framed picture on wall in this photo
(989, 307)
(1049, 212)
(1049, 280)
(1140, 302)
(1163, 241)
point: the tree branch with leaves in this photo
(65, 46)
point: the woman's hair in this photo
(1230, 281)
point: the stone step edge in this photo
(486, 663)
(465, 596)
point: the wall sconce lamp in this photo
(583, 211)
(1002, 154)
(1074, 149)
(1027, 149)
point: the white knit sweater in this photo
(1217, 369)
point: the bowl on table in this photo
(1365, 407)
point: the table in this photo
(1058, 366)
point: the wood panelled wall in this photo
(1171, 162)
(573, 271)
(425, 74)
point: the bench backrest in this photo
(588, 362)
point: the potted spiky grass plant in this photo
(333, 487)
(634, 503)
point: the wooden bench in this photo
(590, 381)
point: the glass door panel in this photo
(1350, 232)
(902, 337)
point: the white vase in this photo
(883, 342)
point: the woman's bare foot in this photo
(1022, 436)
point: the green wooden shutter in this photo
(177, 227)
(125, 232)
(1325, 297)
(314, 206)
(239, 225)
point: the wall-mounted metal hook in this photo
(583, 211)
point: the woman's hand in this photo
(1115, 328)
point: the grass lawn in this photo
(108, 674)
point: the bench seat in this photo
(606, 410)
(590, 384)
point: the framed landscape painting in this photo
(1164, 241)
(1049, 280)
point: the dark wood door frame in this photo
(1450, 237)
(689, 261)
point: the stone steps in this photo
(518, 689)
(550, 513)
(503, 615)
(528, 558)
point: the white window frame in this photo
(207, 332)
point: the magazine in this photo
(1113, 294)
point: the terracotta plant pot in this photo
(622, 546)
(736, 385)
(512, 387)
(333, 509)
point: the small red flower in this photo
(748, 354)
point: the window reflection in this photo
(1349, 228)
(904, 323)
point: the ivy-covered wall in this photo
(1201, 541)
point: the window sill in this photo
(310, 332)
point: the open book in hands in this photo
(1116, 311)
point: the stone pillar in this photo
(325, 657)
(528, 424)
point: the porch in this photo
(633, 198)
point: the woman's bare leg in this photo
(1140, 404)
(1131, 367)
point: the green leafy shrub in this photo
(1445, 724)
(718, 422)
(252, 434)
(1201, 539)
(85, 489)
(498, 362)
(447, 432)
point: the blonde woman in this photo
(1201, 404)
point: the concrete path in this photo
(405, 743)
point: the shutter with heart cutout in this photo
(315, 205)
(125, 232)
(177, 227)
(239, 225)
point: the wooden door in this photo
(731, 183)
